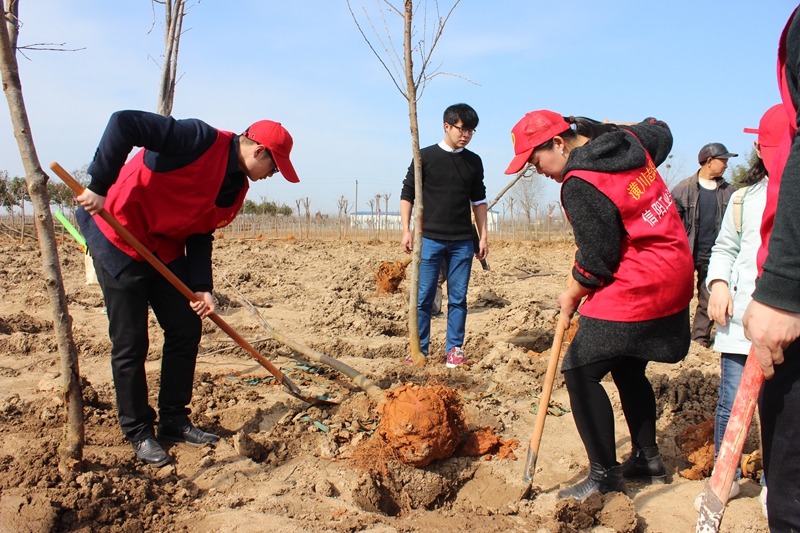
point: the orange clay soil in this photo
(421, 424)
(390, 275)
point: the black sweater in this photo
(598, 230)
(450, 182)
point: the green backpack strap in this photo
(738, 209)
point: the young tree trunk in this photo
(413, 300)
(173, 23)
(70, 452)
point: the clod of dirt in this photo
(485, 442)
(390, 275)
(697, 444)
(421, 424)
(489, 298)
(246, 446)
(613, 510)
(618, 513)
(577, 514)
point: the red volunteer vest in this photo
(655, 277)
(163, 209)
(781, 154)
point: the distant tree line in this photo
(266, 208)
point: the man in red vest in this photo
(188, 179)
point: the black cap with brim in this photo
(715, 151)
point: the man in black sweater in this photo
(452, 186)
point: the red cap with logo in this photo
(278, 142)
(772, 128)
(535, 128)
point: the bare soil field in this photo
(286, 466)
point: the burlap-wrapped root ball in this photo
(421, 424)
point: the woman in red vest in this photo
(633, 266)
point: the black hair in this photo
(592, 129)
(462, 112)
(755, 173)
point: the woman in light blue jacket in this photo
(732, 270)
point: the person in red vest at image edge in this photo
(772, 320)
(187, 180)
(633, 266)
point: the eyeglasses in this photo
(274, 170)
(463, 130)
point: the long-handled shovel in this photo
(544, 403)
(715, 494)
(288, 385)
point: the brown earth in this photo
(285, 466)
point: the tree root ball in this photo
(421, 424)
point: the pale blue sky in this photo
(705, 67)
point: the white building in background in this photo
(392, 221)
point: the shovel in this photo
(544, 402)
(716, 491)
(288, 385)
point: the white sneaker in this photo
(762, 498)
(731, 495)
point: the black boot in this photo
(645, 464)
(599, 479)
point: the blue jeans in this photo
(457, 258)
(731, 369)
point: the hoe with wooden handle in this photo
(715, 494)
(288, 385)
(544, 402)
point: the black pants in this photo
(701, 327)
(127, 297)
(779, 409)
(594, 415)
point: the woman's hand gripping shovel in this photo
(544, 402)
(288, 385)
(715, 494)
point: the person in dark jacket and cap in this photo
(701, 200)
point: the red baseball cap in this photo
(278, 141)
(772, 128)
(535, 128)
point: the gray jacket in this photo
(686, 194)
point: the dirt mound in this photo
(24, 323)
(421, 424)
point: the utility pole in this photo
(355, 210)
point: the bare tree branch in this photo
(377, 55)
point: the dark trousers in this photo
(779, 409)
(701, 327)
(127, 297)
(592, 411)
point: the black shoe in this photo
(188, 434)
(645, 464)
(150, 452)
(599, 479)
